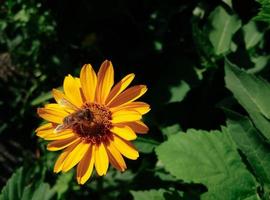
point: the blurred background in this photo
(167, 44)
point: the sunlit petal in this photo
(52, 115)
(61, 144)
(137, 126)
(124, 132)
(119, 87)
(115, 157)
(75, 156)
(125, 116)
(101, 160)
(125, 148)
(89, 81)
(105, 81)
(60, 160)
(138, 106)
(129, 95)
(72, 91)
(86, 165)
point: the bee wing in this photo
(61, 127)
(66, 103)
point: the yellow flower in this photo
(93, 121)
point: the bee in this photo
(80, 118)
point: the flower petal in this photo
(52, 114)
(137, 126)
(105, 81)
(119, 87)
(54, 106)
(115, 158)
(124, 132)
(140, 107)
(58, 95)
(59, 136)
(125, 116)
(60, 160)
(85, 166)
(101, 160)
(129, 95)
(125, 148)
(62, 101)
(89, 81)
(61, 144)
(44, 127)
(75, 156)
(72, 91)
(59, 107)
(45, 132)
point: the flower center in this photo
(92, 122)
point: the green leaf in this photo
(224, 26)
(248, 140)
(158, 45)
(228, 2)
(251, 35)
(42, 192)
(145, 145)
(22, 16)
(13, 189)
(62, 184)
(171, 130)
(264, 14)
(17, 187)
(163, 175)
(179, 92)
(42, 98)
(160, 194)
(210, 158)
(252, 93)
(27, 193)
(260, 63)
(148, 195)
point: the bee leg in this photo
(82, 129)
(58, 128)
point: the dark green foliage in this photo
(264, 14)
(252, 145)
(19, 186)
